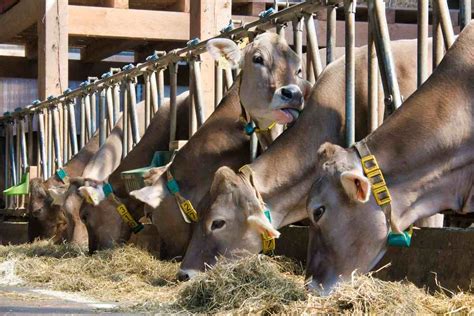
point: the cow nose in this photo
(182, 275)
(287, 93)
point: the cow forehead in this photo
(276, 46)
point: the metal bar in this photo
(133, 111)
(116, 91)
(72, 126)
(110, 108)
(350, 7)
(125, 124)
(65, 137)
(29, 117)
(218, 84)
(192, 120)
(87, 103)
(6, 167)
(42, 145)
(253, 147)
(146, 77)
(465, 13)
(102, 119)
(173, 69)
(56, 137)
(373, 78)
(161, 87)
(93, 104)
(446, 25)
(438, 42)
(313, 46)
(49, 141)
(385, 58)
(298, 36)
(229, 80)
(154, 92)
(23, 149)
(82, 142)
(198, 97)
(422, 55)
(309, 66)
(17, 149)
(330, 34)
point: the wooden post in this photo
(52, 48)
(208, 17)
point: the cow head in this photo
(234, 221)
(348, 229)
(272, 88)
(47, 220)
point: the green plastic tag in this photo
(268, 214)
(107, 189)
(399, 240)
(173, 186)
(61, 173)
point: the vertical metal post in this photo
(110, 107)
(72, 126)
(446, 25)
(465, 13)
(298, 36)
(192, 120)
(198, 97)
(125, 124)
(93, 104)
(218, 84)
(29, 117)
(16, 124)
(116, 92)
(49, 144)
(102, 119)
(23, 150)
(438, 42)
(309, 66)
(350, 7)
(173, 69)
(89, 125)
(146, 78)
(373, 78)
(330, 34)
(161, 87)
(56, 137)
(393, 98)
(229, 81)
(133, 111)
(422, 54)
(82, 141)
(65, 124)
(313, 46)
(154, 92)
(8, 182)
(42, 145)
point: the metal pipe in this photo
(146, 77)
(161, 87)
(17, 149)
(192, 120)
(313, 46)
(6, 168)
(56, 138)
(93, 104)
(65, 129)
(173, 69)
(446, 25)
(330, 34)
(218, 84)
(309, 67)
(438, 42)
(49, 141)
(350, 7)
(72, 126)
(198, 97)
(110, 108)
(102, 119)
(393, 98)
(116, 91)
(30, 138)
(87, 103)
(23, 149)
(465, 13)
(253, 147)
(154, 92)
(133, 111)
(373, 78)
(298, 36)
(125, 124)
(42, 145)
(422, 54)
(229, 80)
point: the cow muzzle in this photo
(287, 103)
(184, 275)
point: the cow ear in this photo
(58, 194)
(93, 195)
(223, 47)
(263, 225)
(152, 195)
(152, 175)
(356, 185)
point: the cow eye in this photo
(299, 72)
(257, 59)
(318, 212)
(217, 224)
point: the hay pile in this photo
(256, 284)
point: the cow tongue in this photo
(291, 114)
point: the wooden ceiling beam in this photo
(104, 48)
(128, 24)
(20, 17)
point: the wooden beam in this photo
(31, 49)
(208, 17)
(128, 24)
(181, 6)
(23, 15)
(52, 48)
(118, 4)
(104, 48)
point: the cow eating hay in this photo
(255, 284)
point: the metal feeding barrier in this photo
(56, 129)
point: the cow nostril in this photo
(183, 276)
(287, 93)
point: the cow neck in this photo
(421, 153)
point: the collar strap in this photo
(268, 243)
(122, 209)
(382, 195)
(185, 206)
(62, 175)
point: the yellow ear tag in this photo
(268, 243)
(92, 198)
(188, 210)
(245, 41)
(223, 63)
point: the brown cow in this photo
(425, 152)
(283, 175)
